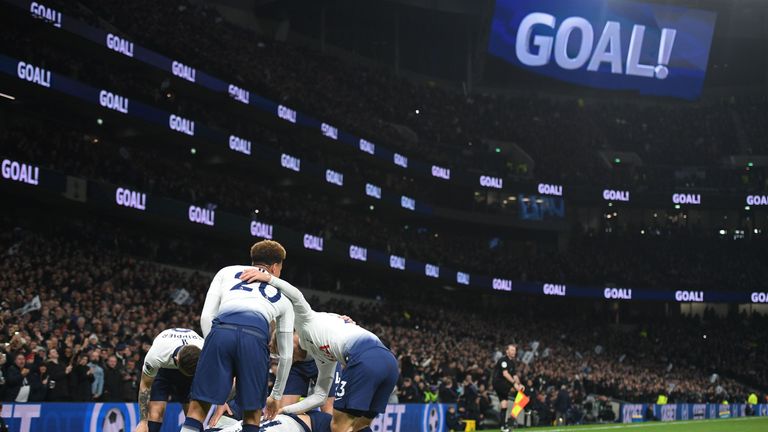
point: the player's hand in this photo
(255, 274)
(220, 410)
(270, 411)
(142, 427)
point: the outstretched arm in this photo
(300, 305)
(325, 373)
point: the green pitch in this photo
(742, 424)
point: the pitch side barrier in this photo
(30, 179)
(110, 417)
(238, 94)
(635, 413)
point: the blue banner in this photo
(634, 413)
(123, 417)
(623, 45)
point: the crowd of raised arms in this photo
(100, 311)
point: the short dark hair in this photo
(187, 360)
(267, 252)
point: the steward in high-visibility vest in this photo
(752, 399)
(662, 400)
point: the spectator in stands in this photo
(97, 372)
(81, 380)
(408, 392)
(17, 387)
(58, 373)
(113, 379)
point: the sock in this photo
(503, 417)
(192, 425)
(250, 428)
(154, 426)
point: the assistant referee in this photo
(505, 382)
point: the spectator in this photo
(58, 377)
(81, 380)
(17, 386)
(97, 372)
(408, 392)
(113, 379)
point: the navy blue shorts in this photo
(336, 380)
(233, 351)
(368, 380)
(321, 422)
(302, 375)
(170, 385)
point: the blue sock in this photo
(154, 426)
(192, 425)
(250, 428)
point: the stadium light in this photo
(99, 121)
(677, 206)
(7, 96)
(193, 150)
(617, 161)
(371, 207)
(746, 208)
(498, 149)
(750, 164)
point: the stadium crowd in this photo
(101, 303)
(450, 127)
(591, 258)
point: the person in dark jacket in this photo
(38, 382)
(113, 381)
(562, 404)
(408, 392)
(58, 377)
(80, 380)
(447, 392)
(15, 377)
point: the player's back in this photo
(332, 337)
(242, 303)
(164, 348)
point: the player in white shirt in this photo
(167, 374)
(370, 370)
(314, 421)
(235, 322)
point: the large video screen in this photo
(650, 48)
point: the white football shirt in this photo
(232, 301)
(165, 345)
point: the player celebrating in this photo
(315, 421)
(168, 369)
(235, 322)
(370, 369)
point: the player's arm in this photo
(148, 373)
(325, 373)
(300, 304)
(145, 389)
(211, 305)
(284, 337)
